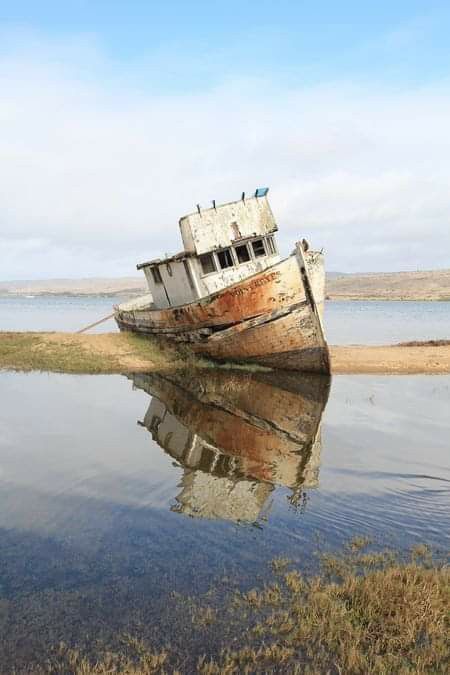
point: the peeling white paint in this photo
(225, 227)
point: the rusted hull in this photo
(272, 318)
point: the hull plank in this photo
(292, 341)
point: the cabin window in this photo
(242, 253)
(271, 248)
(187, 269)
(156, 274)
(225, 258)
(258, 248)
(207, 263)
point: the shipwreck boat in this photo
(236, 435)
(231, 296)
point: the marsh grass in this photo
(98, 353)
(365, 612)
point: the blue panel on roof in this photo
(261, 192)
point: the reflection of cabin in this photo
(213, 485)
(207, 496)
(222, 245)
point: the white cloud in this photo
(98, 173)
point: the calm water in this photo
(386, 322)
(116, 492)
(345, 322)
(59, 313)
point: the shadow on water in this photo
(237, 435)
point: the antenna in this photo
(214, 204)
(198, 209)
(243, 197)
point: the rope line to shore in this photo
(92, 325)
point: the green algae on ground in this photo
(97, 353)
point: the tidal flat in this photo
(197, 520)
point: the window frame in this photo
(156, 275)
(271, 246)
(244, 245)
(256, 241)
(213, 260)
(228, 250)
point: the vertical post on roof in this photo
(198, 209)
(243, 197)
(214, 204)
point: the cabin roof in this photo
(160, 261)
(259, 192)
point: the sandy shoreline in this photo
(125, 352)
(391, 359)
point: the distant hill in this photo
(122, 286)
(431, 285)
(427, 285)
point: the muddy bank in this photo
(125, 352)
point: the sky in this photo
(117, 118)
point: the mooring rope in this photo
(91, 325)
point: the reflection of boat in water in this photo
(236, 435)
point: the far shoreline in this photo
(418, 286)
(349, 298)
(123, 295)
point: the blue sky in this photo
(201, 43)
(119, 116)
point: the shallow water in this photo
(386, 322)
(352, 322)
(56, 313)
(115, 492)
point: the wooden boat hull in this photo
(271, 318)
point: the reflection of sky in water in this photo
(86, 494)
(386, 322)
(57, 313)
(74, 463)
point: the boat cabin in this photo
(222, 245)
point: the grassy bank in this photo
(74, 353)
(365, 612)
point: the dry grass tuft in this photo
(364, 613)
